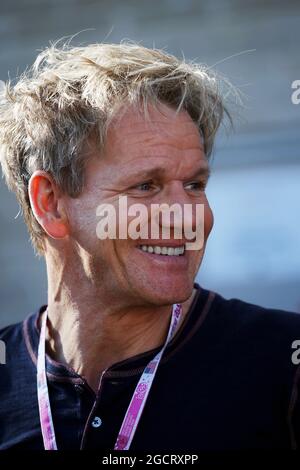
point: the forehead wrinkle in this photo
(136, 127)
(177, 146)
(185, 142)
(160, 171)
(156, 149)
(165, 130)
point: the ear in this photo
(47, 206)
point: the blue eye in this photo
(144, 186)
(197, 186)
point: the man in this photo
(130, 353)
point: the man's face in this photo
(151, 161)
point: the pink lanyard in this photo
(137, 403)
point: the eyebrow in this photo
(158, 171)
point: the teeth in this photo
(163, 250)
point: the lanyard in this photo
(137, 403)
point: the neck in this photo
(89, 332)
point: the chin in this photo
(168, 293)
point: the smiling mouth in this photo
(163, 250)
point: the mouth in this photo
(163, 250)
(172, 257)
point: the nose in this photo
(175, 192)
(179, 212)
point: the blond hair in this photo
(70, 92)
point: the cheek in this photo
(83, 222)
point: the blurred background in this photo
(253, 252)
